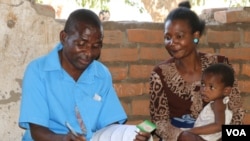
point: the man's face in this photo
(82, 45)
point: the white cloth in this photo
(207, 116)
(117, 132)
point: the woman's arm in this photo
(159, 114)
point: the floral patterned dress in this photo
(172, 96)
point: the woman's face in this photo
(178, 39)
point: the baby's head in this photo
(223, 71)
(217, 81)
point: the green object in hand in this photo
(146, 126)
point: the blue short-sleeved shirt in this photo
(50, 95)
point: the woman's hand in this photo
(188, 136)
(142, 136)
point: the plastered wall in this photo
(24, 35)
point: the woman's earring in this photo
(196, 40)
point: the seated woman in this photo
(175, 83)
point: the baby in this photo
(216, 84)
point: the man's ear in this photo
(227, 90)
(63, 35)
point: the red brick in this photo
(236, 53)
(119, 73)
(246, 105)
(140, 107)
(246, 69)
(113, 37)
(127, 107)
(129, 89)
(246, 119)
(206, 50)
(147, 88)
(247, 37)
(223, 36)
(246, 100)
(236, 68)
(151, 53)
(140, 71)
(208, 14)
(232, 16)
(145, 36)
(133, 122)
(244, 86)
(203, 40)
(119, 54)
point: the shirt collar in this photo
(52, 63)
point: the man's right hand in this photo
(40, 133)
(72, 137)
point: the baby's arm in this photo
(219, 112)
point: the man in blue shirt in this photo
(70, 85)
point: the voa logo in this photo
(236, 132)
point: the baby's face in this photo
(212, 87)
